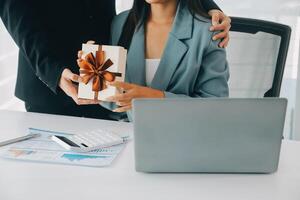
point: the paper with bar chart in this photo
(43, 149)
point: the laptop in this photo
(213, 135)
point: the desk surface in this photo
(35, 181)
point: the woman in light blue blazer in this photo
(171, 53)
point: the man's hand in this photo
(66, 83)
(220, 22)
(132, 91)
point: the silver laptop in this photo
(208, 135)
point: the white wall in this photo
(8, 67)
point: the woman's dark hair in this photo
(140, 12)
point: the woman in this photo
(171, 53)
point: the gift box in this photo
(101, 64)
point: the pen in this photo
(19, 139)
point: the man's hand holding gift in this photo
(131, 91)
(98, 65)
(69, 84)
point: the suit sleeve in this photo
(210, 5)
(24, 25)
(213, 76)
(214, 73)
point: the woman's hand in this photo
(132, 91)
(221, 22)
(67, 84)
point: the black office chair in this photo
(257, 55)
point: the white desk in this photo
(34, 181)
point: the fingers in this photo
(71, 90)
(224, 42)
(66, 84)
(123, 109)
(225, 28)
(90, 42)
(123, 103)
(225, 25)
(221, 35)
(119, 98)
(121, 85)
(73, 93)
(71, 76)
(221, 17)
(82, 102)
(215, 17)
(124, 106)
(79, 54)
(224, 36)
(87, 102)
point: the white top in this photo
(151, 68)
(35, 181)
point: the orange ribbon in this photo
(96, 69)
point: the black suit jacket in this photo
(49, 33)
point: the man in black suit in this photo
(49, 33)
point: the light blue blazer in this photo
(192, 64)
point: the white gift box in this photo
(118, 57)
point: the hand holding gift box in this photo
(100, 64)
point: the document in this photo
(43, 149)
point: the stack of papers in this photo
(43, 149)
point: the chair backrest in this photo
(257, 54)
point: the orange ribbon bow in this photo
(95, 68)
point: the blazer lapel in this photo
(175, 48)
(171, 58)
(136, 59)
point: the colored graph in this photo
(16, 152)
(44, 149)
(79, 157)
